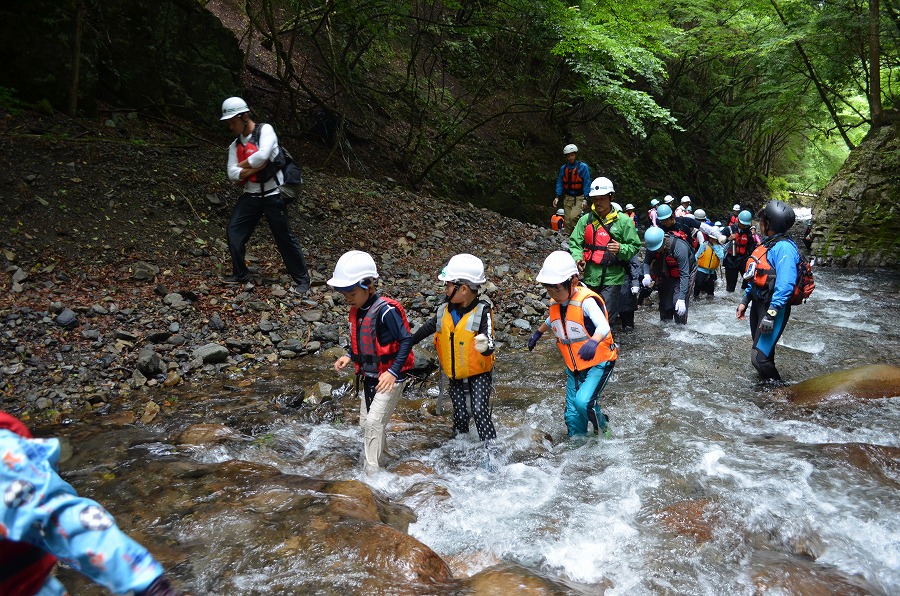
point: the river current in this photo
(692, 432)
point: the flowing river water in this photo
(709, 484)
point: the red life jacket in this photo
(245, 150)
(733, 221)
(573, 184)
(369, 355)
(596, 239)
(680, 233)
(23, 568)
(741, 242)
(556, 222)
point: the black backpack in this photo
(291, 171)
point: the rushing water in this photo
(691, 432)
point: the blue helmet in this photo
(654, 237)
(745, 217)
(663, 212)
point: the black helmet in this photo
(779, 215)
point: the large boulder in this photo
(874, 381)
(856, 218)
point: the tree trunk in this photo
(875, 109)
(76, 58)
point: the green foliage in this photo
(9, 102)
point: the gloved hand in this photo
(481, 343)
(587, 351)
(723, 239)
(635, 290)
(532, 341)
(159, 587)
(647, 281)
(680, 308)
(768, 322)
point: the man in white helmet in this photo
(254, 165)
(602, 243)
(572, 184)
(684, 208)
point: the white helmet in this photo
(570, 148)
(629, 206)
(668, 199)
(353, 267)
(685, 199)
(559, 266)
(233, 106)
(736, 207)
(463, 267)
(560, 212)
(615, 206)
(700, 214)
(601, 186)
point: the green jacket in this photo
(622, 231)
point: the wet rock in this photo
(211, 353)
(522, 324)
(150, 412)
(118, 419)
(318, 393)
(67, 318)
(356, 500)
(150, 363)
(880, 461)
(689, 518)
(873, 381)
(90, 334)
(13, 369)
(509, 578)
(172, 379)
(774, 576)
(202, 434)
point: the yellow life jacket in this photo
(708, 259)
(571, 332)
(455, 344)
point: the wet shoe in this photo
(298, 289)
(606, 431)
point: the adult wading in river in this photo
(602, 243)
(252, 165)
(772, 272)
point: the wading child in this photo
(464, 338)
(380, 347)
(578, 319)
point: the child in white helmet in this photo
(464, 338)
(579, 321)
(380, 347)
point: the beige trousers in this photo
(572, 208)
(374, 423)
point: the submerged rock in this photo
(874, 381)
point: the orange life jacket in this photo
(557, 222)
(23, 568)
(367, 352)
(764, 274)
(572, 181)
(571, 332)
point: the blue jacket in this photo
(784, 257)
(583, 171)
(40, 508)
